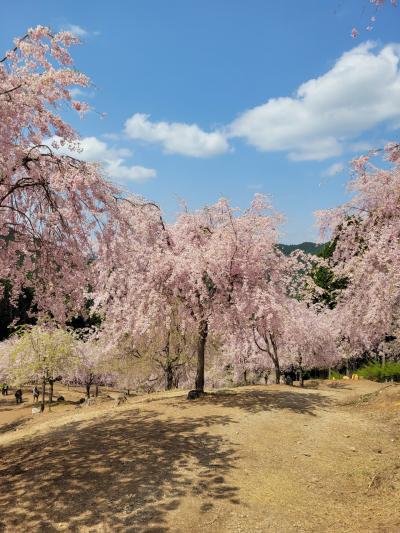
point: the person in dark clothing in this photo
(288, 379)
(290, 376)
(18, 396)
(35, 392)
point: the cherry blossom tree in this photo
(226, 253)
(130, 360)
(173, 348)
(288, 336)
(41, 353)
(90, 365)
(269, 321)
(278, 324)
(5, 360)
(210, 263)
(367, 234)
(242, 362)
(131, 373)
(310, 340)
(52, 206)
(157, 359)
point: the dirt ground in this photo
(252, 459)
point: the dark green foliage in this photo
(85, 320)
(377, 372)
(14, 315)
(23, 312)
(324, 278)
(327, 249)
(208, 282)
(308, 247)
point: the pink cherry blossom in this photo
(52, 207)
(367, 235)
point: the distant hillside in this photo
(308, 247)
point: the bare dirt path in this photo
(251, 459)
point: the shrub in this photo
(335, 374)
(377, 372)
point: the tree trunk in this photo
(43, 394)
(96, 390)
(88, 390)
(301, 377)
(277, 372)
(201, 348)
(273, 353)
(167, 367)
(245, 377)
(169, 377)
(51, 389)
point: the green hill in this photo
(308, 247)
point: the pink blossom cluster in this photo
(214, 273)
(378, 4)
(367, 235)
(222, 268)
(52, 207)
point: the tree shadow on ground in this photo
(311, 384)
(12, 426)
(257, 401)
(161, 397)
(339, 385)
(7, 404)
(11, 404)
(125, 473)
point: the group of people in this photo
(289, 376)
(18, 393)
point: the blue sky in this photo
(230, 97)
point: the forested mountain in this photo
(308, 247)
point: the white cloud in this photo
(333, 170)
(78, 31)
(365, 146)
(361, 91)
(92, 149)
(113, 159)
(176, 137)
(112, 136)
(75, 92)
(122, 172)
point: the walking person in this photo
(4, 389)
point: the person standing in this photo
(35, 392)
(4, 389)
(18, 396)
